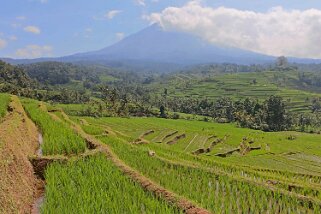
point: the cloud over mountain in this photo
(275, 32)
(32, 29)
(3, 43)
(34, 51)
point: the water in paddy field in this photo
(40, 140)
(37, 205)
(36, 208)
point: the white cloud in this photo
(275, 32)
(120, 36)
(3, 43)
(140, 2)
(32, 29)
(34, 51)
(111, 14)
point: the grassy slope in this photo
(237, 86)
(274, 145)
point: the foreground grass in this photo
(95, 185)
(211, 189)
(233, 184)
(4, 101)
(58, 137)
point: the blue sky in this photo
(36, 28)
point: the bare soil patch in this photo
(177, 138)
(18, 139)
(169, 135)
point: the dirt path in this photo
(184, 204)
(18, 139)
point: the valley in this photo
(160, 107)
(275, 172)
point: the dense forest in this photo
(108, 92)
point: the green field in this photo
(237, 86)
(219, 167)
(4, 101)
(58, 137)
(95, 185)
(239, 182)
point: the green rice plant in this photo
(212, 190)
(58, 137)
(251, 172)
(95, 185)
(4, 102)
(93, 130)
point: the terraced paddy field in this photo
(223, 168)
(73, 172)
(152, 165)
(238, 86)
(4, 101)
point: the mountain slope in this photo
(153, 44)
(154, 49)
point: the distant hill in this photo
(154, 49)
(14, 76)
(153, 44)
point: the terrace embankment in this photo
(141, 140)
(40, 163)
(18, 139)
(184, 204)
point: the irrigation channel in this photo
(40, 162)
(36, 208)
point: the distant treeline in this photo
(117, 92)
(270, 115)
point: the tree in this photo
(162, 112)
(275, 112)
(282, 62)
(316, 106)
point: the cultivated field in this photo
(237, 86)
(221, 167)
(58, 137)
(93, 185)
(152, 165)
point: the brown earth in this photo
(177, 138)
(18, 139)
(169, 135)
(40, 164)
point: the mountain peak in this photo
(157, 45)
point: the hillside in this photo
(212, 85)
(154, 164)
(14, 76)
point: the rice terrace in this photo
(210, 108)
